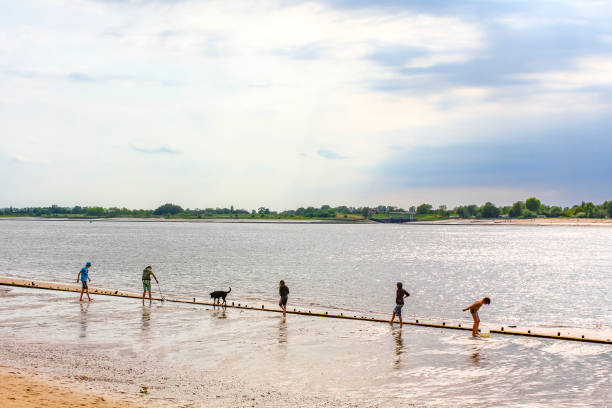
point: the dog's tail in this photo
(229, 290)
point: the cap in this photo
(88, 263)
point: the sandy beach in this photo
(24, 389)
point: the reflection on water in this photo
(220, 313)
(476, 355)
(399, 346)
(282, 331)
(327, 358)
(145, 318)
(83, 319)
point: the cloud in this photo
(154, 150)
(556, 159)
(304, 52)
(588, 72)
(246, 86)
(329, 154)
(81, 77)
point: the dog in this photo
(218, 294)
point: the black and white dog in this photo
(218, 294)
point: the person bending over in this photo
(473, 308)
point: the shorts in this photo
(84, 284)
(474, 311)
(398, 310)
(146, 285)
(283, 301)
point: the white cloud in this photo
(248, 93)
(589, 71)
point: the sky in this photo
(290, 103)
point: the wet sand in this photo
(193, 356)
(24, 389)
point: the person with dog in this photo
(146, 283)
(473, 308)
(283, 291)
(400, 295)
(83, 276)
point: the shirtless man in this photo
(473, 308)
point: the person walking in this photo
(146, 282)
(473, 308)
(400, 295)
(83, 276)
(283, 291)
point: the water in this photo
(534, 275)
(549, 276)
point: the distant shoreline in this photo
(450, 221)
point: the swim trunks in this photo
(398, 310)
(84, 284)
(283, 301)
(473, 311)
(146, 285)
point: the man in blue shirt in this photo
(84, 277)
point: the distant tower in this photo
(412, 212)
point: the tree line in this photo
(530, 208)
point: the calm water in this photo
(534, 275)
(188, 354)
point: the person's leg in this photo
(150, 296)
(400, 319)
(284, 310)
(87, 291)
(82, 290)
(392, 319)
(475, 326)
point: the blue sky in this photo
(290, 103)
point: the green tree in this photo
(442, 211)
(424, 209)
(528, 214)
(608, 206)
(95, 211)
(533, 204)
(168, 209)
(589, 208)
(489, 211)
(517, 209)
(555, 211)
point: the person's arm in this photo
(78, 276)
(406, 294)
(155, 277)
(473, 305)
